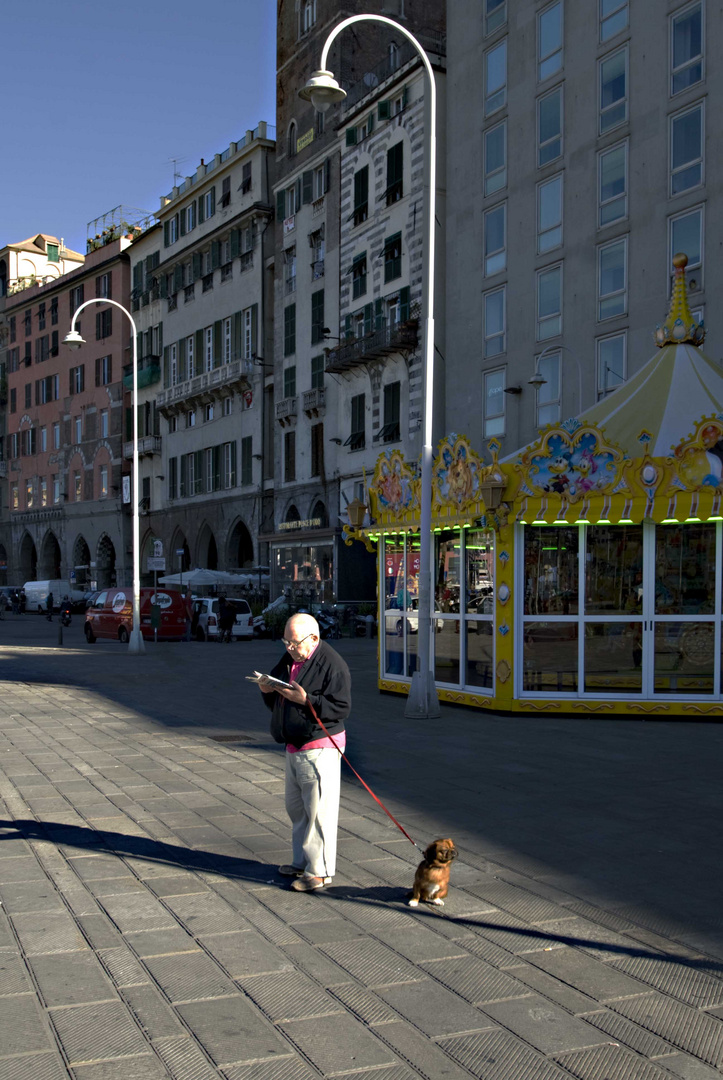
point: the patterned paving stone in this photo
(22, 869)
(555, 990)
(153, 1014)
(498, 1055)
(291, 1068)
(611, 1063)
(98, 1032)
(519, 902)
(419, 943)
(141, 912)
(184, 1059)
(232, 1031)
(162, 942)
(147, 1067)
(177, 885)
(71, 979)
(544, 1025)
(433, 1009)
(96, 867)
(337, 1044)
(601, 981)
(29, 896)
(123, 967)
(271, 926)
(189, 977)
(474, 980)
(680, 980)
(317, 964)
(22, 1028)
(365, 1004)
(245, 953)
(628, 1033)
(100, 931)
(13, 976)
(428, 1058)
(289, 996)
(48, 932)
(700, 1035)
(372, 963)
(206, 913)
(37, 1066)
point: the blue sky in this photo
(99, 96)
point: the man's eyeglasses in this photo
(295, 644)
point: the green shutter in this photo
(280, 205)
(164, 286)
(254, 329)
(213, 202)
(404, 304)
(177, 278)
(129, 424)
(235, 243)
(216, 468)
(370, 124)
(217, 342)
(368, 318)
(199, 478)
(298, 195)
(351, 136)
(215, 254)
(233, 464)
(379, 314)
(348, 331)
(199, 360)
(196, 265)
(327, 174)
(238, 334)
(166, 368)
(201, 215)
(182, 224)
(184, 474)
(383, 110)
(165, 235)
(160, 337)
(307, 185)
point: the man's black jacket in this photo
(325, 678)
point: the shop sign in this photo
(305, 523)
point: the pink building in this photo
(63, 443)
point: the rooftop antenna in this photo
(176, 161)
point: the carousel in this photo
(582, 573)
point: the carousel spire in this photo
(680, 327)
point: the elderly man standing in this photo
(319, 677)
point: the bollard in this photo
(60, 631)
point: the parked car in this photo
(111, 615)
(393, 617)
(206, 616)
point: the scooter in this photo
(65, 616)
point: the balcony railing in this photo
(149, 372)
(147, 444)
(313, 401)
(285, 410)
(236, 375)
(401, 337)
(317, 269)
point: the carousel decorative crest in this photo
(680, 327)
(392, 485)
(456, 473)
(698, 459)
(572, 465)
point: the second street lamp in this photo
(322, 90)
(73, 339)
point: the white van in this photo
(36, 594)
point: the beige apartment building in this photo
(200, 295)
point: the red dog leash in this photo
(363, 782)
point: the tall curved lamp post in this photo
(74, 341)
(538, 379)
(322, 90)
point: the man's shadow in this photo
(239, 869)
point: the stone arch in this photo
(206, 548)
(240, 547)
(178, 562)
(319, 510)
(292, 514)
(81, 560)
(28, 559)
(105, 568)
(291, 141)
(50, 559)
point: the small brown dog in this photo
(431, 881)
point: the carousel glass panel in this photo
(551, 570)
(614, 570)
(685, 569)
(394, 605)
(479, 563)
(550, 663)
(613, 657)
(684, 657)
(447, 571)
(446, 650)
(480, 654)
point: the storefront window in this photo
(480, 654)
(551, 569)
(479, 552)
(685, 569)
(613, 657)
(550, 657)
(684, 654)
(614, 570)
(446, 650)
(446, 574)
(305, 572)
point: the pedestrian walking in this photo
(189, 613)
(319, 677)
(49, 607)
(22, 601)
(226, 619)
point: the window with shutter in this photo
(393, 257)
(247, 460)
(226, 191)
(395, 173)
(317, 317)
(290, 330)
(361, 195)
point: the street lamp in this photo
(322, 90)
(136, 644)
(538, 379)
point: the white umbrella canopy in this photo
(198, 578)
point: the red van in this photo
(111, 615)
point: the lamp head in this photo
(538, 380)
(322, 90)
(73, 339)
